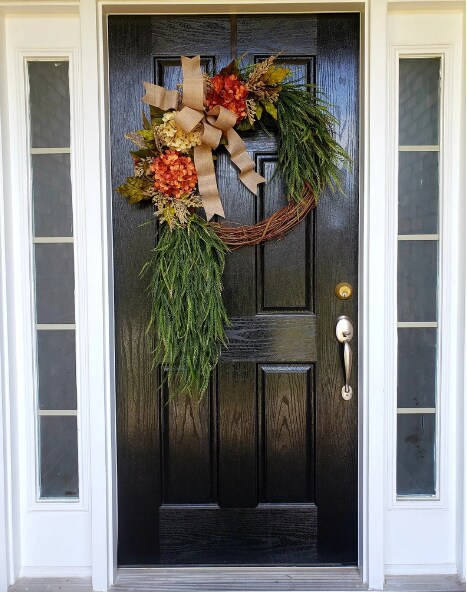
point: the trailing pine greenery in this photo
(188, 313)
(307, 148)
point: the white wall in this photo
(55, 540)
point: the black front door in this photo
(264, 470)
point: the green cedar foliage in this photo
(307, 151)
(188, 313)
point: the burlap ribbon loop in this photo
(193, 83)
(188, 119)
(217, 122)
(159, 97)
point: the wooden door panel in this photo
(267, 534)
(264, 470)
(186, 453)
(337, 218)
(275, 266)
(237, 435)
(136, 403)
(186, 35)
(287, 401)
(261, 35)
(271, 338)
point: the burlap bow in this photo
(216, 122)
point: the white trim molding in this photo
(101, 317)
(373, 299)
(421, 530)
(9, 510)
(422, 569)
(66, 571)
(43, 527)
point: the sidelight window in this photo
(418, 275)
(56, 408)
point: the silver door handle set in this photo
(344, 334)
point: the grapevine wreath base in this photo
(174, 169)
(273, 228)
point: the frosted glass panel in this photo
(51, 183)
(418, 192)
(49, 104)
(417, 367)
(417, 280)
(56, 359)
(55, 285)
(419, 101)
(418, 274)
(56, 397)
(416, 454)
(58, 457)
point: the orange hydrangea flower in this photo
(229, 92)
(174, 174)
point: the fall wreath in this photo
(174, 167)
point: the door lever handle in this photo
(344, 334)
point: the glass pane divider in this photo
(57, 412)
(64, 150)
(420, 148)
(416, 324)
(418, 237)
(415, 410)
(417, 497)
(55, 327)
(44, 240)
(62, 502)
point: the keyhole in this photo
(343, 291)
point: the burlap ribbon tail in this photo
(217, 122)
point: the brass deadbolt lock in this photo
(343, 291)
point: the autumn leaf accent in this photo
(136, 189)
(270, 108)
(264, 84)
(275, 75)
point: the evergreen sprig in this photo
(307, 151)
(188, 313)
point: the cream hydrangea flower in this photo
(175, 138)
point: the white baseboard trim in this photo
(420, 569)
(33, 571)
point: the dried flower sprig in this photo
(175, 211)
(258, 71)
(264, 82)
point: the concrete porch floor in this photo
(242, 580)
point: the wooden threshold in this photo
(240, 579)
(244, 579)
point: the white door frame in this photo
(372, 305)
